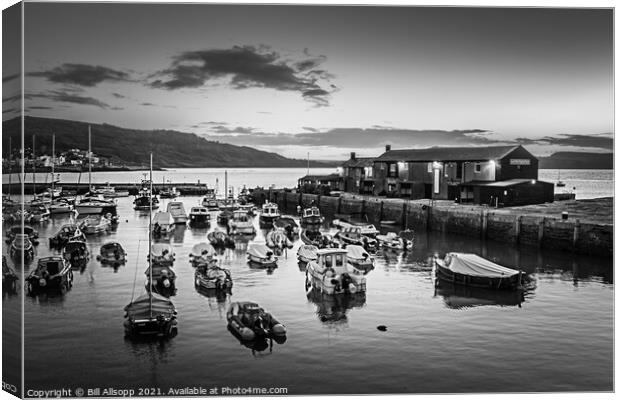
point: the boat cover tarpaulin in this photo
(140, 306)
(474, 265)
(163, 218)
(308, 251)
(357, 252)
(158, 249)
(259, 250)
(199, 248)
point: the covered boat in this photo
(177, 211)
(289, 225)
(249, 321)
(144, 200)
(21, 245)
(199, 217)
(163, 223)
(162, 254)
(162, 279)
(51, 273)
(366, 228)
(220, 239)
(212, 277)
(312, 216)
(260, 255)
(332, 274)
(394, 241)
(278, 240)
(360, 259)
(241, 224)
(168, 193)
(473, 270)
(151, 314)
(95, 224)
(112, 253)
(66, 233)
(202, 254)
(209, 201)
(269, 213)
(316, 238)
(307, 253)
(77, 253)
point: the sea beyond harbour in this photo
(585, 183)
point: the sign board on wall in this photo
(520, 161)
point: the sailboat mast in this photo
(10, 161)
(53, 162)
(150, 238)
(226, 187)
(89, 161)
(34, 166)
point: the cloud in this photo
(64, 97)
(147, 104)
(10, 99)
(307, 128)
(247, 67)
(40, 108)
(82, 74)
(118, 95)
(600, 141)
(8, 78)
(238, 129)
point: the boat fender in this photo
(166, 283)
(352, 288)
(278, 329)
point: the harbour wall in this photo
(548, 232)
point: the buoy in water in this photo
(382, 328)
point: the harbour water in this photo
(558, 337)
(585, 183)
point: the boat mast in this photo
(226, 187)
(9, 158)
(34, 166)
(89, 162)
(53, 162)
(150, 238)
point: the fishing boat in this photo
(76, 252)
(332, 274)
(60, 206)
(353, 235)
(177, 211)
(360, 259)
(366, 229)
(249, 208)
(307, 253)
(559, 183)
(269, 213)
(241, 224)
(223, 217)
(202, 254)
(317, 238)
(51, 273)
(278, 240)
(9, 276)
(145, 199)
(249, 321)
(21, 245)
(168, 193)
(212, 277)
(112, 253)
(64, 234)
(161, 254)
(289, 225)
(15, 230)
(162, 223)
(199, 217)
(110, 192)
(472, 270)
(312, 216)
(151, 313)
(259, 255)
(161, 278)
(394, 241)
(94, 225)
(209, 201)
(219, 239)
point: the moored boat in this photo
(269, 213)
(9, 276)
(161, 279)
(95, 224)
(76, 252)
(278, 240)
(202, 254)
(261, 256)
(316, 238)
(312, 216)
(220, 239)
(212, 277)
(161, 254)
(241, 224)
(332, 274)
(14, 230)
(366, 229)
(112, 253)
(472, 270)
(21, 245)
(353, 235)
(51, 273)
(249, 321)
(307, 253)
(224, 216)
(360, 259)
(199, 217)
(289, 225)
(163, 223)
(177, 211)
(64, 234)
(151, 314)
(394, 241)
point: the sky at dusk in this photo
(325, 79)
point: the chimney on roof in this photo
(388, 147)
(352, 155)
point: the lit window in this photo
(430, 167)
(477, 167)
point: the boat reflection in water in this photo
(460, 296)
(260, 344)
(333, 308)
(220, 295)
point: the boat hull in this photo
(447, 275)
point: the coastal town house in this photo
(320, 184)
(357, 175)
(496, 175)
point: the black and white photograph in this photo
(233, 199)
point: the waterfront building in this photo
(495, 175)
(357, 175)
(320, 184)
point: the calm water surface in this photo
(558, 337)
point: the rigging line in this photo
(135, 275)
